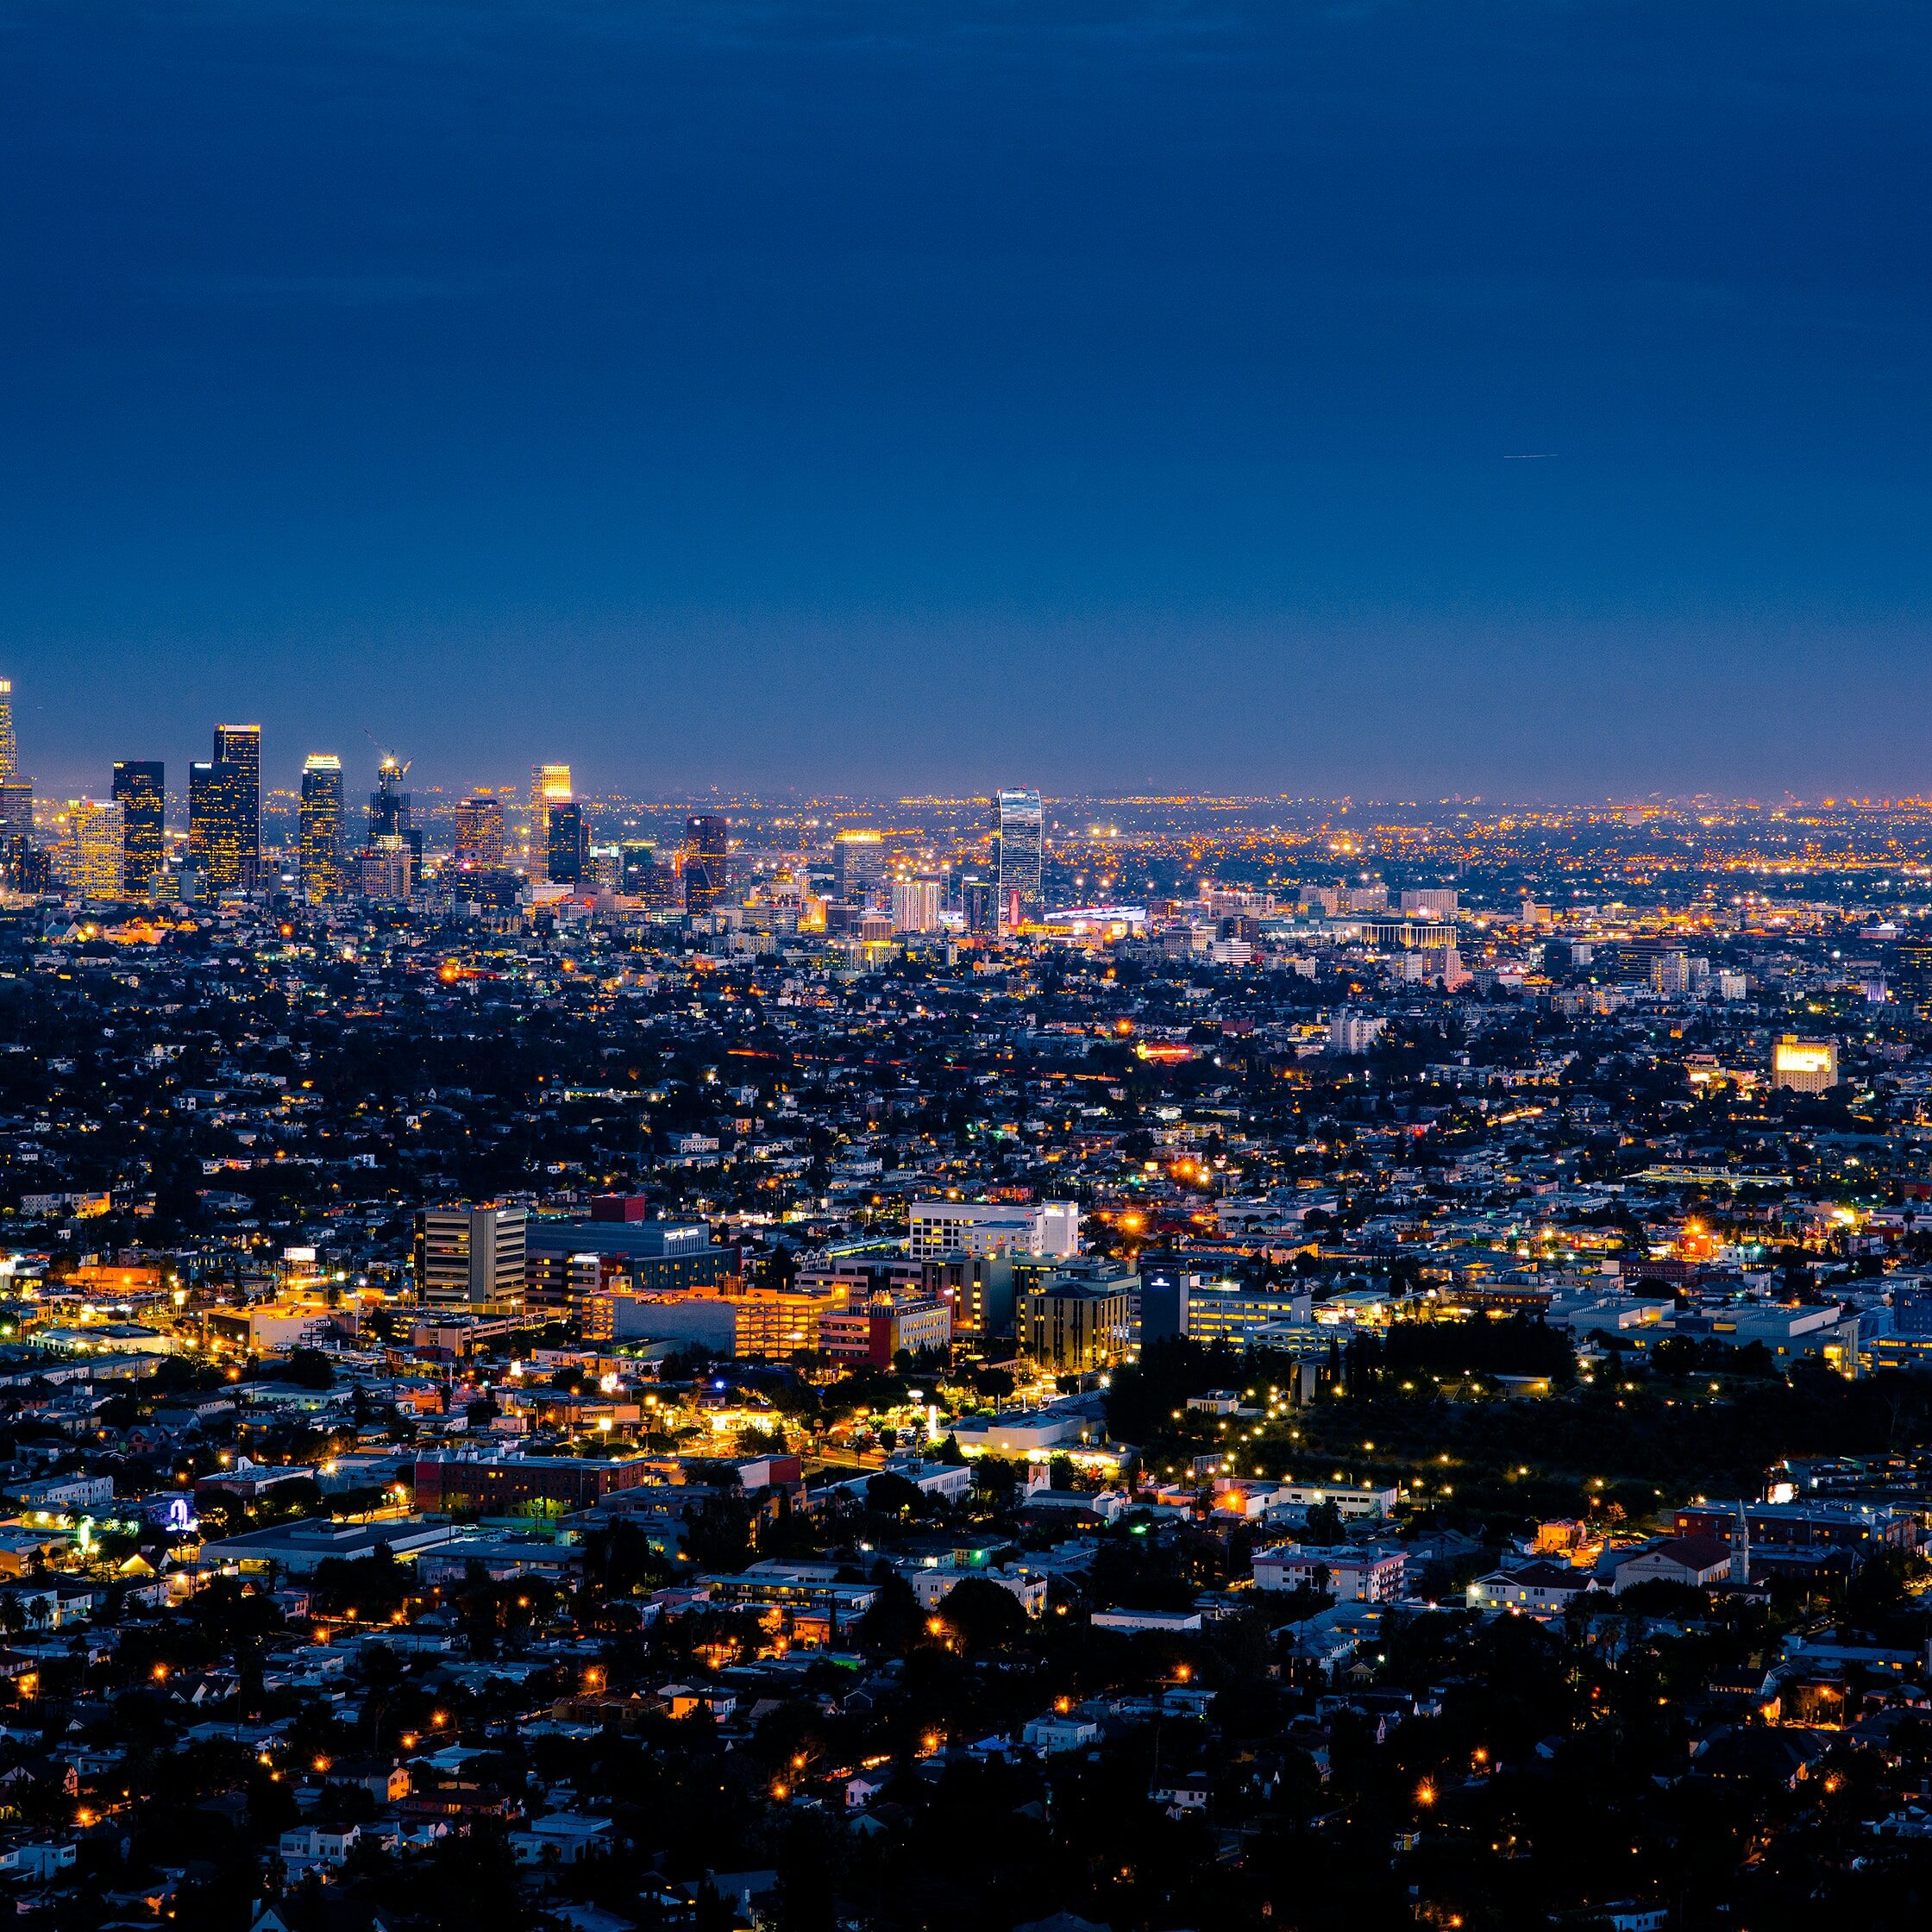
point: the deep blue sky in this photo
(920, 394)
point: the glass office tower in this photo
(321, 854)
(1022, 841)
(139, 789)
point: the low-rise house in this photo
(562, 1838)
(1055, 1731)
(1180, 1795)
(325, 1845)
(1027, 1588)
(1531, 1589)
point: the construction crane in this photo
(386, 760)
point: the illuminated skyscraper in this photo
(858, 864)
(389, 802)
(915, 905)
(569, 846)
(478, 835)
(1022, 837)
(1913, 972)
(139, 789)
(16, 812)
(321, 856)
(390, 816)
(979, 899)
(211, 845)
(548, 785)
(384, 869)
(643, 877)
(224, 808)
(707, 861)
(16, 793)
(240, 747)
(90, 853)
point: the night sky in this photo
(1522, 400)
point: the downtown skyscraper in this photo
(567, 860)
(392, 821)
(321, 853)
(92, 854)
(224, 809)
(479, 834)
(16, 793)
(707, 861)
(140, 791)
(1022, 851)
(549, 785)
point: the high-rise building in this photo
(384, 868)
(19, 853)
(1166, 1282)
(637, 863)
(390, 816)
(207, 844)
(16, 812)
(707, 861)
(915, 905)
(224, 808)
(548, 785)
(1670, 973)
(90, 853)
(1073, 1327)
(470, 1258)
(321, 856)
(1911, 972)
(389, 813)
(979, 899)
(644, 876)
(1022, 840)
(139, 789)
(858, 864)
(239, 746)
(479, 834)
(569, 858)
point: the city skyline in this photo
(549, 782)
(965, 966)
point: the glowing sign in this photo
(1100, 915)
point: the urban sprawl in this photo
(573, 1362)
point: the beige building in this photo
(1803, 1066)
(470, 1258)
(1069, 1327)
(91, 852)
